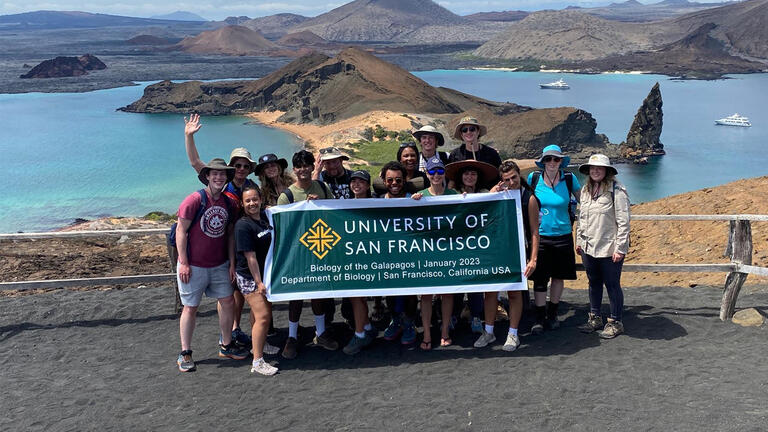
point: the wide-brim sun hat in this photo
(485, 171)
(553, 150)
(429, 130)
(469, 121)
(216, 164)
(600, 160)
(330, 153)
(240, 152)
(268, 158)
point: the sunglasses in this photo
(468, 129)
(396, 180)
(438, 171)
(328, 150)
(240, 165)
(546, 159)
(408, 144)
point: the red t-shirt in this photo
(208, 236)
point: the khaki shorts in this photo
(213, 281)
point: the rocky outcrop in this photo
(322, 90)
(643, 137)
(65, 67)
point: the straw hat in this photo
(431, 130)
(240, 152)
(469, 121)
(598, 160)
(267, 158)
(216, 164)
(553, 150)
(485, 171)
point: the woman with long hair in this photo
(273, 177)
(602, 240)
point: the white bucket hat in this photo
(598, 160)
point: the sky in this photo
(220, 9)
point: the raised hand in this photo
(192, 124)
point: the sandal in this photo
(444, 342)
(426, 345)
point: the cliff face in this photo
(65, 67)
(643, 137)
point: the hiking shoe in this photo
(501, 313)
(270, 349)
(326, 341)
(393, 330)
(594, 323)
(612, 329)
(263, 368)
(185, 362)
(409, 333)
(512, 343)
(241, 339)
(537, 328)
(485, 339)
(356, 344)
(477, 325)
(290, 349)
(232, 351)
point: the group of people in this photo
(223, 237)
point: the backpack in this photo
(289, 194)
(171, 236)
(569, 182)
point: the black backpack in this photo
(569, 183)
(326, 189)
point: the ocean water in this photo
(72, 155)
(699, 153)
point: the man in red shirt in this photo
(205, 241)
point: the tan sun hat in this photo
(216, 164)
(329, 153)
(598, 160)
(469, 121)
(429, 130)
(240, 152)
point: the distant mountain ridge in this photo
(275, 26)
(180, 16)
(75, 19)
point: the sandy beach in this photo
(105, 360)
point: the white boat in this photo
(557, 85)
(734, 120)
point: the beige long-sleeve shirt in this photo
(604, 222)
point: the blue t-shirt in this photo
(554, 205)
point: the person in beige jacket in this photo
(602, 240)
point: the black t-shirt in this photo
(252, 235)
(485, 154)
(339, 185)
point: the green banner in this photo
(355, 248)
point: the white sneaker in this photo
(512, 342)
(270, 349)
(263, 368)
(485, 339)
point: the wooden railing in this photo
(738, 249)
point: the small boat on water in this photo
(557, 85)
(734, 120)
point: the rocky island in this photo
(65, 67)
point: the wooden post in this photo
(173, 257)
(740, 248)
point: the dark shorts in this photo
(556, 259)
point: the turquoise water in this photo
(72, 155)
(699, 153)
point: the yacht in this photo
(557, 85)
(734, 120)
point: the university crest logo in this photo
(320, 239)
